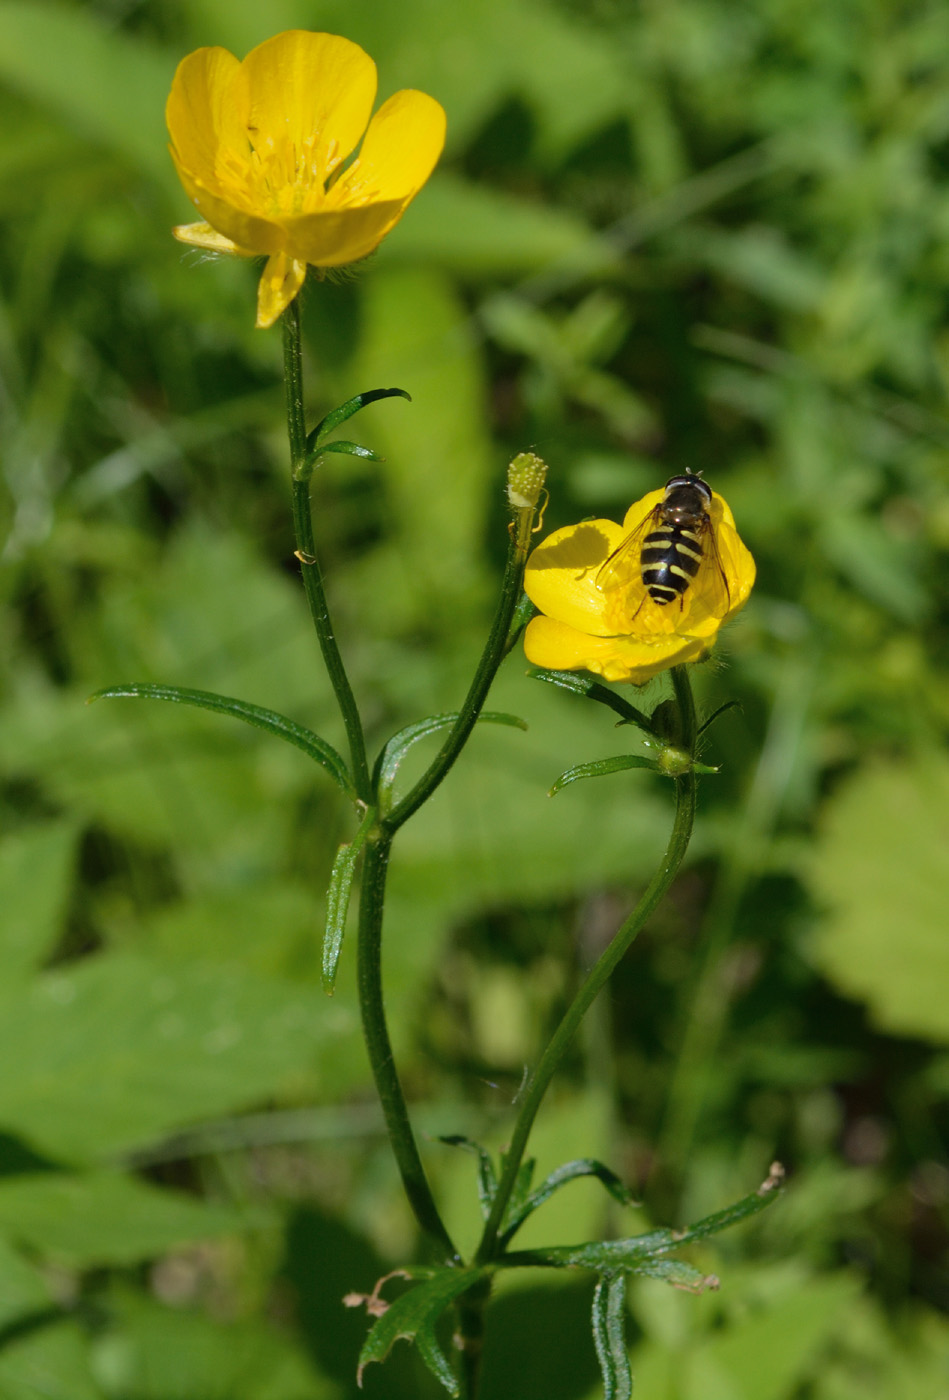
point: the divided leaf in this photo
(570, 1171)
(639, 1253)
(413, 1317)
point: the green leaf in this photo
(570, 1171)
(413, 1317)
(336, 416)
(110, 1053)
(881, 872)
(348, 449)
(36, 867)
(338, 897)
(628, 1254)
(105, 1218)
(593, 690)
(609, 1336)
(600, 767)
(389, 760)
(487, 1180)
(728, 705)
(274, 723)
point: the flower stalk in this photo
(307, 555)
(539, 1082)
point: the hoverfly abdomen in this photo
(672, 551)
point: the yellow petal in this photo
(207, 115)
(204, 236)
(243, 228)
(281, 280)
(560, 578)
(332, 239)
(557, 647)
(311, 93)
(399, 152)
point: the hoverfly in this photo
(674, 546)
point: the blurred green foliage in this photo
(704, 234)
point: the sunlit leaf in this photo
(269, 720)
(390, 759)
(601, 767)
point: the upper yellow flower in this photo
(599, 616)
(261, 148)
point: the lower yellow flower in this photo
(628, 601)
(262, 147)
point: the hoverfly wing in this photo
(622, 568)
(711, 582)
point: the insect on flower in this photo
(675, 546)
(628, 601)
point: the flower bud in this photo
(525, 480)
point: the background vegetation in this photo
(697, 233)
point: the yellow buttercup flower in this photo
(599, 614)
(262, 149)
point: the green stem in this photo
(379, 1047)
(306, 552)
(596, 979)
(494, 652)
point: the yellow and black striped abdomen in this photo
(669, 560)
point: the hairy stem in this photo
(306, 553)
(598, 976)
(379, 1047)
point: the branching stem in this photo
(598, 976)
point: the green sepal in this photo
(609, 1336)
(337, 898)
(570, 1171)
(297, 734)
(487, 1180)
(346, 410)
(606, 1256)
(350, 449)
(390, 758)
(600, 767)
(728, 705)
(413, 1317)
(593, 690)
